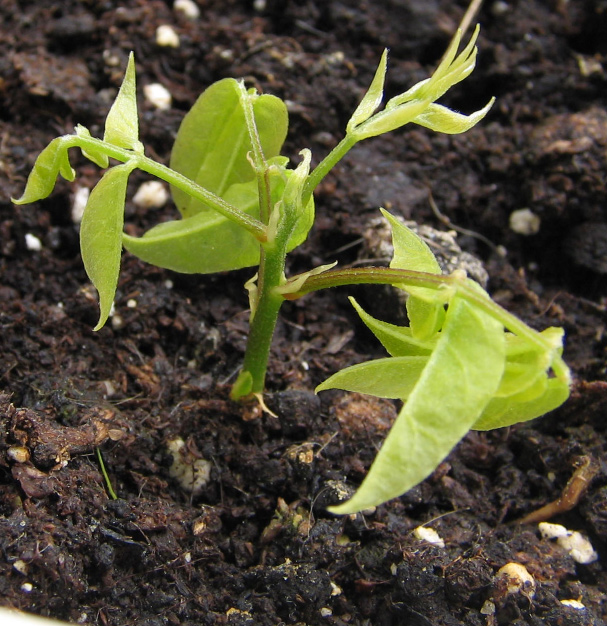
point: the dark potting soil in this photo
(256, 544)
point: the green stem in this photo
(252, 225)
(251, 379)
(326, 165)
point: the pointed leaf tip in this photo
(122, 122)
(372, 99)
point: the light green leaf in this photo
(425, 307)
(208, 242)
(521, 375)
(53, 160)
(397, 340)
(444, 120)
(393, 377)
(203, 243)
(410, 251)
(122, 122)
(372, 99)
(454, 388)
(295, 219)
(406, 107)
(213, 142)
(101, 235)
(501, 412)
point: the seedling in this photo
(463, 362)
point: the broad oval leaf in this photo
(203, 243)
(208, 242)
(212, 143)
(101, 235)
(53, 160)
(456, 385)
(393, 377)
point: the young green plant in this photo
(463, 362)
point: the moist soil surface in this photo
(256, 544)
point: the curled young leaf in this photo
(416, 104)
(443, 120)
(101, 235)
(53, 160)
(397, 340)
(96, 156)
(501, 412)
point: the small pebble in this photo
(167, 37)
(20, 566)
(517, 578)
(151, 195)
(187, 8)
(429, 535)
(158, 95)
(525, 222)
(32, 243)
(552, 531)
(18, 454)
(79, 200)
(579, 548)
(190, 472)
(573, 604)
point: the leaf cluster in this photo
(462, 363)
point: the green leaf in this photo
(101, 235)
(53, 160)
(397, 340)
(122, 122)
(456, 385)
(520, 376)
(372, 99)
(213, 142)
(204, 243)
(208, 242)
(425, 307)
(502, 412)
(410, 251)
(393, 377)
(443, 120)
